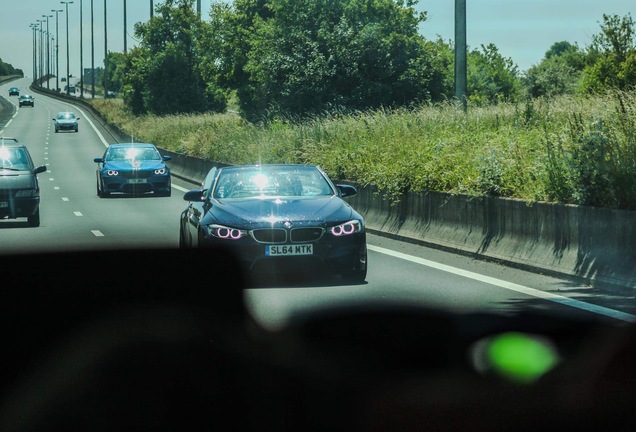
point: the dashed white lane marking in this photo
(97, 233)
(78, 213)
(600, 310)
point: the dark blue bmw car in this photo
(133, 168)
(280, 218)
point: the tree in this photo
(164, 75)
(7, 69)
(115, 71)
(614, 52)
(309, 56)
(559, 72)
(491, 77)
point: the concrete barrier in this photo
(596, 246)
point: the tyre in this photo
(100, 191)
(34, 219)
(182, 242)
(355, 275)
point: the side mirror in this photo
(347, 190)
(39, 169)
(194, 195)
(98, 160)
(167, 157)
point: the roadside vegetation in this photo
(567, 149)
(352, 86)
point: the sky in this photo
(522, 30)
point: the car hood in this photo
(129, 165)
(16, 179)
(251, 213)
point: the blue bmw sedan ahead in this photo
(133, 168)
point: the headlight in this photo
(227, 233)
(28, 193)
(112, 173)
(347, 228)
(161, 171)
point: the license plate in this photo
(4, 204)
(289, 250)
(135, 181)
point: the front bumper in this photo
(66, 126)
(12, 207)
(138, 183)
(330, 254)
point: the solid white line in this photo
(600, 310)
(101, 137)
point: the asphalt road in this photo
(73, 217)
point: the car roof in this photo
(137, 144)
(282, 165)
(13, 144)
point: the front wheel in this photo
(100, 190)
(355, 275)
(182, 242)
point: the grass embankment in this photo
(579, 150)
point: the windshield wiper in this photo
(10, 169)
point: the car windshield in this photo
(133, 153)
(14, 158)
(271, 181)
(408, 214)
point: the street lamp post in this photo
(105, 51)
(81, 51)
(48, 52)
(41, 56)
(57, 49)
(92, 54)
(125, 26)
(68, 83)
(34, 27)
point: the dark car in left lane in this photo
(281, 218)
(19, 187)
(133, 168)
(14, 91)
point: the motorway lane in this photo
(74, 217)
(406, 273)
